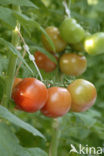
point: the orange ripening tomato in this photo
(83, 94)
(58, 103)
(43, 62)
(54, 34)
(73, 64)
(30, 95)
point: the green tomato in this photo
(71, 31)
(94, 44)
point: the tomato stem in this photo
(67, 9)
(11, 65)
(55, 138)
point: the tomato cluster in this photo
(69, 33)
(72, 33)
(31, 95)
(70, 64)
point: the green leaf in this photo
(3, 64)
(24, 20)
(9, 144)
(4, 113)
(7, 17)
(15, 52)
(36, 152)
(27, 3)
(88, 118)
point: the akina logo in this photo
(86, 150)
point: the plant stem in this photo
(11, 66)
(55, 138)
(67, 9)
(19, 66)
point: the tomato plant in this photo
(94, 44)
(58, 103)
(54, 34)
(83, 95)
(30, 95)
(43, 124)
(73, 64)
(71, 31)
(43, 62)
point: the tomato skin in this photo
(43, 62)
(80, 45)
(94, 44)
(58, 103)
(71, 31)
(83, 95)
(73, 64)
(16, 82)
(54, 34)
(30, 95)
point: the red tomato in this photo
(73, 64)
(83, 95)
(43, 62)
(30, 95)
(16, 82)
(58, 103)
